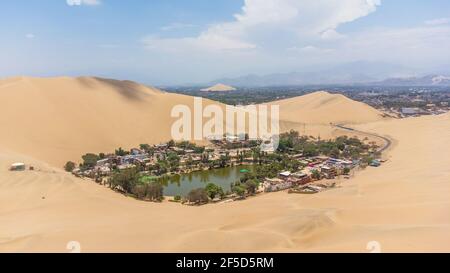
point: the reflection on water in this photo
(183, 184)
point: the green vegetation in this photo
(316, 175)
(121, 152)
(70, 166)
(89, 161)
(347, 171)
(213, 191)
(130, 181)
(341, 147)
(239, 190)
(149, 171)
(155, 192)
(124, 180)
(198, 196)
(177, 198)
(251, 186)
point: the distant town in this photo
(396, 101)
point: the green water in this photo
(183, 184)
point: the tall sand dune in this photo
(325, 108)
(401, 206)
(60, 119)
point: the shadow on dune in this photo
(128, 89)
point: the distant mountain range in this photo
(429, 80)
(356, 73)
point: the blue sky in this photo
(180, 41)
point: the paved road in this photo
(387, 141)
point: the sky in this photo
(169, 42)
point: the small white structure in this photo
(17, 167)
(285, 174)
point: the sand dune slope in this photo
(402, 206)
(60, 119)
(325, 108)
(219, 88)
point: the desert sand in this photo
(325, 108)
(402, 205)
(219, 88)
(60, 119)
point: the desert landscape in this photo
(403, 205)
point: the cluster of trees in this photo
(271, 165)
(186, 145)
(198, 196)
(203, 195)
(247, 185)
(341, 147)
(130, 181)
(214, 191)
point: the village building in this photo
(276, 184)
(17, 167)
(329, 172)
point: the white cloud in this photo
(264, 23)
(291, 35)
(439, 21)
(83, 2)
(30, 36)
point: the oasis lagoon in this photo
(182, 184)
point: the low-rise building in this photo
(276, 184)
(17, 167)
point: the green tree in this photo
(213, 190)
(162, 167)
(171, 144)
(251, 186)
(121, 152)
(126, 180)
(145, 147)
(198, 196)
(70, 166)
(155, 192)
(90, 160)
(140, 191)
(239, 190)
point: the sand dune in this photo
(403, 205)
(219, 88)
(326, 108)
(60, 119)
